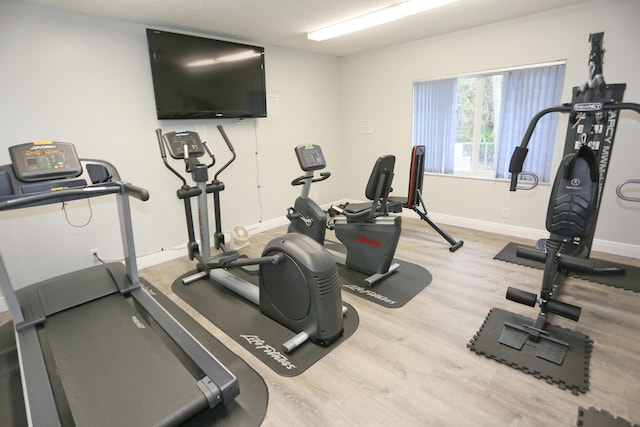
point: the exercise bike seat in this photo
(377, 191)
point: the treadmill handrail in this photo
(20, 201)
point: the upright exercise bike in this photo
(368, 232)
(573, 206)
(298, 279)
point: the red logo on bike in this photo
(366, 241)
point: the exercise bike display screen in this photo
(45, 160)
(178, 140)
(310, 157)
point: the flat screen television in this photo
(201, 78)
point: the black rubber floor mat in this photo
(572, 375)
(248, 409)
(243, 322)
(629, 281)
(593, 418)
(393, 291)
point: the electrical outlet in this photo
(94, 255)
(505, 212)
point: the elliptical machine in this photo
(574, 204)
(367, 231)
(298, 279)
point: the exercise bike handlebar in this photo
(520, 152)
(303, 178)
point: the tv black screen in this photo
(199, 78)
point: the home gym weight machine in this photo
(94, 346)
(574, 203)
(298, 279)
(369, 234)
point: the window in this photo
(471, 124)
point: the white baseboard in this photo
(3, 305)
(614, 248)
(160, 257)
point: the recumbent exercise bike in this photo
(365, 229)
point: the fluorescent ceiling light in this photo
(382, 16)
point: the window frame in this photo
(475, 173)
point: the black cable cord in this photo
(95, 255)
(66, 216)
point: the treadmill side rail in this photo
(39, 402)
(224, 380)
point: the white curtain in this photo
(434, 124)
(524, 93)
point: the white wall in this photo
(378, 86)
(86, 80)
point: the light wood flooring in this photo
(410, 366)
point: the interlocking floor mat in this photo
(593, 418)
(572, 374)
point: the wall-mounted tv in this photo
(201, 78)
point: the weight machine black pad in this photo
(248, 409)
(393, 291)
(572, 375)
(263, 337)
(593, 418)
(629, 281)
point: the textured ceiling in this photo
(286, 22)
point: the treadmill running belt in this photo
(145, 385)
(247, 410)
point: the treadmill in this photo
(95, 347)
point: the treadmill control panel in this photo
(177, 141)
(44, 160)
(310, 157)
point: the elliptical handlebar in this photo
(163, 154)
(230, 146)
